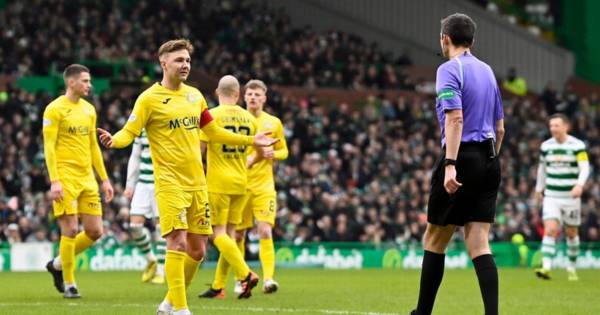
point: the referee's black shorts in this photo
(475, 200)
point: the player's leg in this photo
(62, 267)
(572, 251)
(221, 205)
(174, 228)
(142, 240)
(68, 228)
(176, 299)
(551, 215)
(265, 208)
(435, 241)
(161, 248)
(141, 207)
(572, 220)
(476, 240)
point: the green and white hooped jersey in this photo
(146, 175)
(560, 166)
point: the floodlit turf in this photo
(308, 292)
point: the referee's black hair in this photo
(460, 28)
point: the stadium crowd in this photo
(231, 37)
(356, 172)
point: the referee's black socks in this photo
(431, 276)
(487, 274)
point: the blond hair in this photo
(256, 84)
(175, 45)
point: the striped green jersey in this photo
(146, 169)
(560, 163)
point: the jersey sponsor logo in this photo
(79, 130)
(46, 122)
(188, 123)
(132, 117)
(445, 94)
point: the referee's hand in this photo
(450, 182)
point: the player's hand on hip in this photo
(450, 182)
(105, 138)
(261, 139)
(56, 191)
(128, 193)
(107, 188)
(576, 191)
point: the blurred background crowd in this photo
(357, 171)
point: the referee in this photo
(465, 180)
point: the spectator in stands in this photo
(515, 84)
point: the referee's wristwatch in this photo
(449, 162)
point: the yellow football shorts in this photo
(183, 210)
(262, 206)
(80, 197)
(226, 209)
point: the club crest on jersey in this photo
(192, 97)
(268, 125)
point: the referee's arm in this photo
(499, 134)
(453, 127)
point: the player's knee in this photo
(70, 231)
(197, 253)
(240, 235)
(136, 230)
(571, 233)
(265, 231)
(95, 233)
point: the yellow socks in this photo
(242, 246)
(221, 273)
(175, 274)
(228, 249)
(266, 255)
(67, 256)
(190, 267)
(82, 242)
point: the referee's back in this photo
(467, 83)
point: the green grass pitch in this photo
(308, 291)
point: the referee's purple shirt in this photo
(467, 83)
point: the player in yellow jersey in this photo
(227, 180)
(72, 152)
(173, 114)
(261, 196)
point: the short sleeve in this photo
(448, 86)
(139, 116)
(498, 110)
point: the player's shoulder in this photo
(576, 142)
(149, 92)
(547, 143)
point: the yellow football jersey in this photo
(226, 169)
(260, 176)
(70, 128)
(172, 120)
